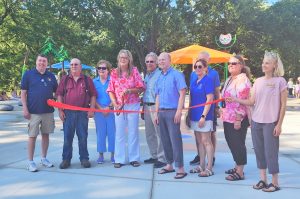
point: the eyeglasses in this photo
(233, 63)
(101, 68)
(74, 64)
(151, 62)
(199, 67)
(124, 58)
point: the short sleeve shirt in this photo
(150, 82)
(168, 86)
(40, 88)
(267, 94)
(102, 96)
(119, 85)
(199, 91)
(76, 91)
(238, 87)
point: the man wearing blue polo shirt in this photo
(37, 86)
(170, 94)
(213, 74)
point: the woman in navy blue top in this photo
(105, 122)
(202, 91)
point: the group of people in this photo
(294, 89)
(115, 92)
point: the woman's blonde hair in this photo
(245, 69)
(279, 70)
(130, 67)
(107, 64)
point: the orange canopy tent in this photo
(188, 55)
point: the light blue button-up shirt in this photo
(102, 96)
(150, 82)
(168, 86)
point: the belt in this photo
(149, 103)
(168, 109)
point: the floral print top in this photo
(238, 87)
(118, 85)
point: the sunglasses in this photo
(233, 63)
(199, 67)
(151, 62)
(101, 68)
(74, 64)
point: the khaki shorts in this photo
(44, 122)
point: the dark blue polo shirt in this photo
(198, 92)
(40, 88)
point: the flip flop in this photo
(164, 171)
(180, 175)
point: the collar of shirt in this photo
(36, 71)
(108, 78)
(168, 71)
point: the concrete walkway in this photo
(104, 181)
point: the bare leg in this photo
(201, 150)
(263, 175)
(214, 142)
(206, 142)
(275, 179)
(31, 147)
(45, 144)
(101, 155)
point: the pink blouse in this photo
(119, 85)
(238, 87)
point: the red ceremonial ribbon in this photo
(60, 105)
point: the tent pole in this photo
(225, 71)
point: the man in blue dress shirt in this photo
(170, 94)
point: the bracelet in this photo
(238, 120)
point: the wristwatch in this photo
(203, 116)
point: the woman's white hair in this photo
(278, 71)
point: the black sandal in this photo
(230, 171)
(135, 164)
(271, 188)
(234, 177)
(260, 185)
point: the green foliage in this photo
(93, 30)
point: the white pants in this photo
(129, 122)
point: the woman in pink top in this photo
(268, 98)
(124, 88)
(234, 115)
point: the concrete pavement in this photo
(104, 181)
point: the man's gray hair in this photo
(153, 55)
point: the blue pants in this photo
(75, 121)
(105, 126)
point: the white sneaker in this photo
(32, 167)
(46, 163)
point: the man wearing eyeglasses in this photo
(76, 89)
(170, 93)
(151, 128)
(213, 74)
(37, 86)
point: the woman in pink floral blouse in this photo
(234, 115)
(124, 88)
